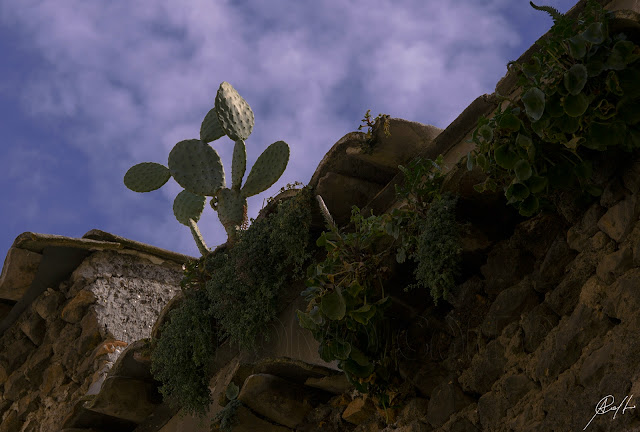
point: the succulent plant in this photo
(197, 167)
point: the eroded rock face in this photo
(59, 352)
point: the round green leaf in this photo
(584, 169)
(505, 157)
(529, 206)
(567, 124)
(363, 314)
(359, 357)
(146, 176)
(536, 184)
(486, 132)
(522, 170)
(623, 53)
(629, 110)
(516, 192)
(575, 79)
(612, 84)
(595, 33)
(510, 122)
(305, 321)
(333, 306)
(353, 368)
(533, 101)
(629, 79)
(577, 46)
(340, 349)
(470, 161)
(554, 106)
(232, 391)
(482, 162)
(575, 105)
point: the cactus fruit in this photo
(267, 169)
(234, 113)
(146, 177)
(197, 167)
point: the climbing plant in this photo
(580, 96)
(347, 309)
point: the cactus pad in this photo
(210, 129)
(231, 208)
(234, 113)
(267, 169)
(238, 165)
(146, 176)
(197, 167)
(188, 206)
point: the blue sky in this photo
(88, 89)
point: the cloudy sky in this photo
(90, 88)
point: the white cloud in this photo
(137, 78)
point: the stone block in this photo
(277, 399)
(359, 411)
(508, 307)
(36, 364)
(15, 386)
(47, 304)
(18, 272)
(123, 398)
(247, 421)
(505, 267)
(578, 235)
(615, 264)
(486, 367)
(11, 422)
(623, 297)
(536, 325)
(446, 399)
(52, 377)
(75, 309)
(33, 327)
(564, 348)
(336, 384)
(90, 337)
(619, 219)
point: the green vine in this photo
(579, 97)
(347, 303)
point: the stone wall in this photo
(56, 356)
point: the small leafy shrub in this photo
(231, 293)
(438, 249)
(226, 418)
(181, 356)
(380, 120)
(347, 303)
(246, 280)
(580, 96)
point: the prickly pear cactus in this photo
(197, 167)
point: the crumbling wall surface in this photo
(55, 357)
(544, 335)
